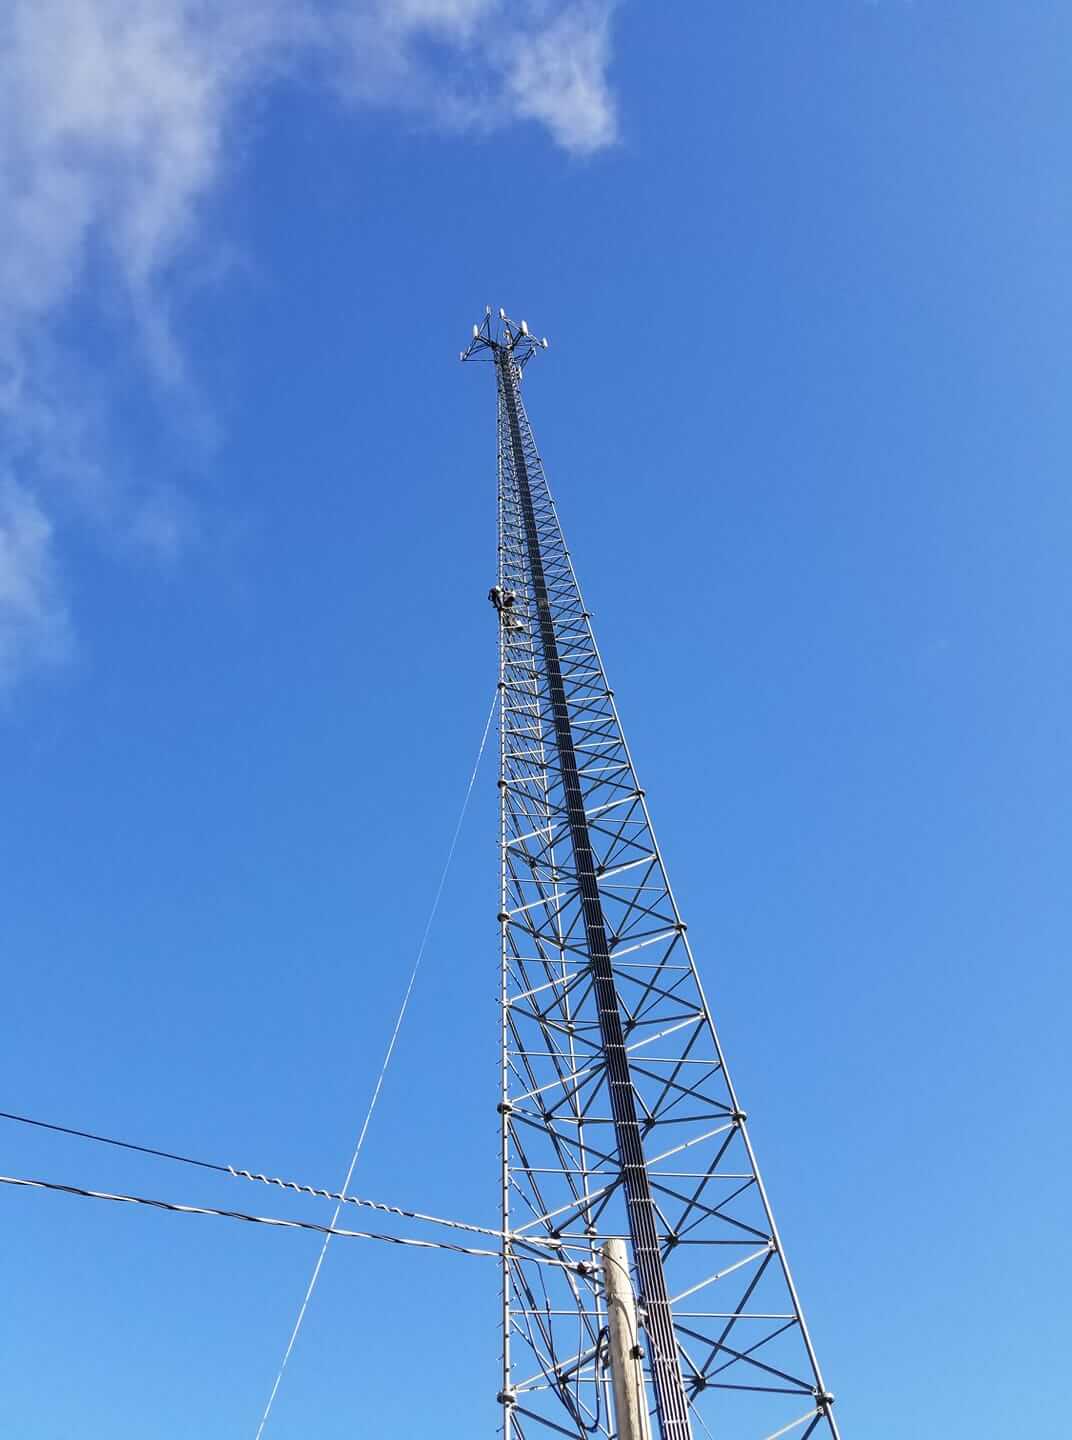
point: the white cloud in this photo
(112, 125)
(34, 624)
(508, 61)
(117, 120)
(557, 75)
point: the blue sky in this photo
(804, 270)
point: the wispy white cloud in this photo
(117, 123)
(113, 117)
(34, 622)
(112, 121)
(508, 61)
(557, 74)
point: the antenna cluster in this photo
(493, 338)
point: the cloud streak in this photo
(34, 624)
(509, 62)
(117, 121)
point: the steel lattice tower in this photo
(619, 1117)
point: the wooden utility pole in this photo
(626, 1356)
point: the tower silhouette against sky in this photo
(619, 1117)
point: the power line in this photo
(119, 1144)
(379, 1205)
(329, 1231)
(297, 1187)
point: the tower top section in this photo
(494, 339)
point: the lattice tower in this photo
(619, 1117)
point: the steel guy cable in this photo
(303, 1307)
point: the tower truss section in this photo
(618, 1114)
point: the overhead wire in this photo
(274, 1221)
(385, 1208)
(108, 1140)
(295, 1186)
(329, 1231)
